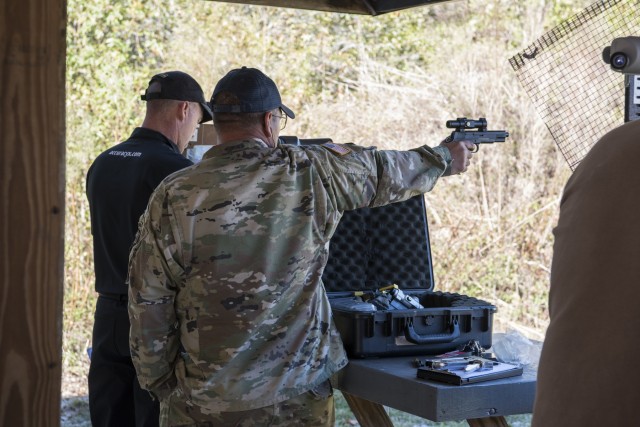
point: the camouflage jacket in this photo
(226, 299)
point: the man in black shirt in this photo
(119, 184)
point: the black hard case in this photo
(376, 247)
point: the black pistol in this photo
(463, 132)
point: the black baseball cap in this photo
(178, 86)
(257, 93)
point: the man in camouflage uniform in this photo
(230, 322)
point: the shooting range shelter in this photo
(32, 187)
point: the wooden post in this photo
(488, 422)
(32, 186)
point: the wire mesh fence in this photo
(576, 93)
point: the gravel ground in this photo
(74, 407)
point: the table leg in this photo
(488, 422)
(368, 414)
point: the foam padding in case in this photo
(377, 247)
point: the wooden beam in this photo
(32, 184)
(368, 414)
(365, 7)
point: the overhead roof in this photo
(364, 7)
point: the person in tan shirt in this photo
(588, 372)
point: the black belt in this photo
(115, 297)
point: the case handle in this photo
(412, 336)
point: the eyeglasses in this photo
(283, 119)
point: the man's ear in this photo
(266, 123)
(183, 110)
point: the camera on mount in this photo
(623, 55)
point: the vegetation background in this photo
(390, 81)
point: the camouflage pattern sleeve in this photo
(407, 173)
(359, 177)
(444, 152)
(154, 269)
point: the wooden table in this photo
(368, 384)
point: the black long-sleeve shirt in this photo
(119, 184)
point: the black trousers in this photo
(115, 396)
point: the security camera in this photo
(623, 55)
